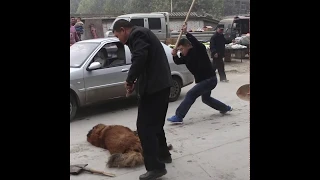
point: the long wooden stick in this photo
(99, 172)
(185, 21)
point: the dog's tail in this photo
(129, 159)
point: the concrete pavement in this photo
(207, 146)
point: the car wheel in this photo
(73, 106)
(175, 89)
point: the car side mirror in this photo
(94, 66)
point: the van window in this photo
(244, 26)
(154, 23)
(219, 25)
(227, 28)
(138, 22)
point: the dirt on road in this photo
(236, 66)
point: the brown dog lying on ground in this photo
(123, 144)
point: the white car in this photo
(99, 67)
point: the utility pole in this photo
(171, 5)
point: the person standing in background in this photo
(79, 27)
(217, 48)
(73, 21)
(73, 35)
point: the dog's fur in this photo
(122, 143)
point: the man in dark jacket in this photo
(217, 48)
(150, 76)
(195, 57)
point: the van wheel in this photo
(175, 89)
(73, 106)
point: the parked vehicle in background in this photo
(158, 23)
(98, 70)
(235, 27)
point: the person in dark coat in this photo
(217, 48)
(195, 57)
(150, 77)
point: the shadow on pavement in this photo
(106, 107)
(109, 107)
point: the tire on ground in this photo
(175, 89)
(73, 106)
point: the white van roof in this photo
(229, 20)
(146, 15)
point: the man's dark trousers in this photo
(152, 110)
(219, 64)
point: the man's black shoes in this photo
(153, 175)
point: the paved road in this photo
(209, 146)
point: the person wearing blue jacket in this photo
(79, 27)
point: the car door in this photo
(107, 82)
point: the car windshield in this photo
(111, 27)
(79, 52)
